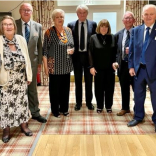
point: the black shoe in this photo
(90, 107)
(5, 139)
(29, 133)
(133, 123)
(56, 115)
(77, 107)
(5, 136)
(40, 119)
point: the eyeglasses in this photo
(128, 18)
(8, 25)
(28, 11)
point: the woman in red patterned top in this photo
(58, 47)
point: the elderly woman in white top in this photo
(14, 109)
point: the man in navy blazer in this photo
(142, 63)
(121, 64)
(80, 56)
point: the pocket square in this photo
(155, 37)
(36, 34)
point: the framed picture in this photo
(4, 13)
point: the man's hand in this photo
(28, 82)
(132, 72)
(93, 71)
(115, 65)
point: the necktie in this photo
(27, 33)
(125, 57)
(82, 38)
(145, 46)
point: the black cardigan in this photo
(102, 51)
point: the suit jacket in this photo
(135, 50)
(118, 38)
(35, 41)
(91, 27)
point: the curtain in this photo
(42, 11)
(136, 7)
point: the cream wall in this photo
(7, 6)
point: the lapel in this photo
(152, 35)
(19, 25)
(120, 39)
(31, 29)
(88, 30)
(76, 32)
(140, 35)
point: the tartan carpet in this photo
(79, 122)
(89, 122)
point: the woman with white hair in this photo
(58, 63)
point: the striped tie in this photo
(27, 32)
(126, 45)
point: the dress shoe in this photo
(40, 119)
(57, 115)
(77, 107)
(90, 107)
(123, 112)
(28, 133)
(5, 136)
(133, 123)
(26, 130)
(5, 139)
(109, 110)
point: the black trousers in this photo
(104, 88)
(81, 64)
(59, 86)
(125, 81)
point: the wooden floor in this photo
(96, 145)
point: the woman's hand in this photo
(93, 71)
(28, 82)
(70, 51)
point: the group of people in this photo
(82, 46)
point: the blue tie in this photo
(27, 32)
(145, 46)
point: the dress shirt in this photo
(149, 30)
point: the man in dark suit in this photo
(142, 63)
(122, 61)
(32, 31)
(82, 29)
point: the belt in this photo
(142, 65)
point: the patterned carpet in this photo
(79, 122)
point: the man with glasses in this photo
(123, 38)
(32, 31)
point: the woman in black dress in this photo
(102, 53)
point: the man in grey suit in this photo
(32, 31)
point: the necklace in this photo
(103, 39)
(62, 36)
